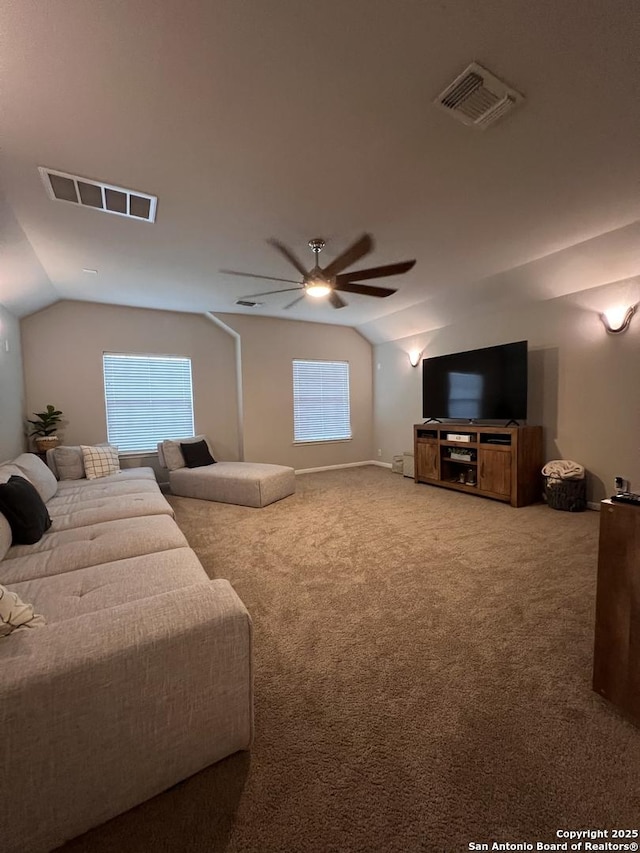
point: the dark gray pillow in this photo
(196, 454)
(25, 511)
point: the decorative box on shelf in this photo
(458, 436)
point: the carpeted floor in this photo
(423, 668)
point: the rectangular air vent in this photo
(477, 97)
(98, 195)
(248, 303)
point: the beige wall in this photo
(63, 347)
(583, 383)
(12, 438)
(268, 348)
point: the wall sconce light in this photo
(414, 357)
(617, 320)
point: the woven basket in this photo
(569, 495)
(46, 442)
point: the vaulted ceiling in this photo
(292, 119)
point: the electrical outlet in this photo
(379, 452)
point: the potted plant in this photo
(44, 427)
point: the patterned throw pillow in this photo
(100, 461)
(15, 614)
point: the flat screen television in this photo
(483, 384)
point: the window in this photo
(321, 409)
(148, 399)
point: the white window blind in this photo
(148, 399)
(321, 410)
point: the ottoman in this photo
(244, 483)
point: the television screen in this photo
(484, 384)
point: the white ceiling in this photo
(293, 119)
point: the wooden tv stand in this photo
(504, 462)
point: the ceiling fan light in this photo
(318, 289)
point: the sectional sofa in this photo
(142, 674)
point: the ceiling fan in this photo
(319, 282)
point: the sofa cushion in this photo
(171, 451)
(9, 470)
(96, 489)
(100, 461)
(39, 474)
(15, 614)
(107, 508)
(24, 509)
(244, 483)
(69, 462)
(129, 475)
(72, 594)
(196, 454)
(80, 547)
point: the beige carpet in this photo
(423, 667)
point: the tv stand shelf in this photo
(502, 463)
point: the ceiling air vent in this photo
(99, 196)
(248, 303)
(477, 97)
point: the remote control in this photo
(627, 498)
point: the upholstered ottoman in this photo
(243, 483)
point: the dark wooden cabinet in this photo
(494, 470)
(616, 660)
(427, 459)
(503, 463)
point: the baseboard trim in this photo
(344, 465)
(593, 505)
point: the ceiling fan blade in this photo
(336, 300)
(295, 301)
(358, 250)
(365, 289)
(375, 272)
(255, 275)
(288, 255)
(269, 292)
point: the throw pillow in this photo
(69, 463)
(100, 461)
(196, 454)
(38, 473)
(15, 614)
(25, 511)
(172, 454)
